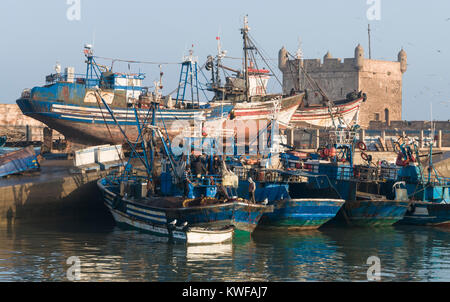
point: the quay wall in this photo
(49, 196)
(14, 123)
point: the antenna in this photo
(244, 32)
(370, 47)
(299, 54)
(432, 124)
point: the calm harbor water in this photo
(38, 252)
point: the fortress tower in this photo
(380, 80)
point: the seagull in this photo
(185, 224)
(173, 223)
(265, 202)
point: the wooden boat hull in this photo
(265, 110)
(243, 216)
(427, 214)
(91, 125)
(301, 214)
(320, 116)
(298, 213)
(189, 236)
(372, 213)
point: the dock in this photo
(55, 191)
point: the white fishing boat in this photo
(320, 116)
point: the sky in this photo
(37, 34)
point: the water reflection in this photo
(107, 253)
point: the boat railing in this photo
(205, 180)
(342, 137)
(78, 78)
(435, 180)
(267, 175)
(355, 173)
(115, 177)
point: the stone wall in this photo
(380, 80)
(13, 123)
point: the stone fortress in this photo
(380, 80)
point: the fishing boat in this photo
(181, 200)
(318, 109)
(158, 211)
(140, 217)
(319, 116)
(427, 190)
(71, 104)
(358, 185)
(293, 209)
(19, 161)
(247, 90)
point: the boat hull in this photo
(427, 214)
(372, 213)
(243, 216)
(189, 236)
(266, 110)
(320, 116)
(292, 213)
(89, 125)
(301, 214)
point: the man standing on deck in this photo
(187, 183)
(251, 190)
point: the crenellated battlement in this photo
(380, 80)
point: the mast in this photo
(370, 46)
(244, 32)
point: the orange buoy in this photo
(332, 152)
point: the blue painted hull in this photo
(431, 201)
(243, 216)
(358, 212)
(372, 213)
(302, 213)
(427, 214)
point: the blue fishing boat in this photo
(72, 104)
(181, 233)
(338, 177)
(428, 191)
(294, 211)
(19, 161)
(158, 211)
(181, 200)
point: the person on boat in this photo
(222, 193)
(216, 166)
(205, 164)
(186, 182)
(251, 190)
(198, 167)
